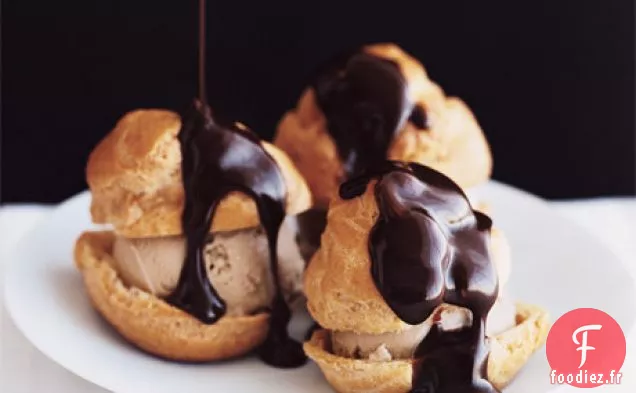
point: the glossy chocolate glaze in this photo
(217, 161)
(311, 224)
(365, 101)
(429, 247)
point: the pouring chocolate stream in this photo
(216, 161)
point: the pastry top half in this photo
(341, 292)
(448, 138)
(134, 175)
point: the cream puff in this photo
(370, 105)
(199, 264)
(407, 288)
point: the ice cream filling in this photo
(237, 265)
(388, 346)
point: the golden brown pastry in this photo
(134, 175)
(380, 99)
(365, 344)
(137, 274)
(150, 323)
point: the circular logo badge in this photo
(586, 348)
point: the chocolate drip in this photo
(311, 224)
(312, 329)
(365, 101)
(216, 161)
(419, 118)
(429, 247)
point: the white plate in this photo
(555, 264)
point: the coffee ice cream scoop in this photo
(402, 344)
(237, 265)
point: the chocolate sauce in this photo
(365, 101)
(311, 224)
(216, 161)
(429, 247)
(418, 117)
(312, 329)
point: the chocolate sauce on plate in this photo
(428, 247)
(216, 161)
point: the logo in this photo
(586, 348)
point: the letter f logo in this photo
(584, 347)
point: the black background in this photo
(551, 82)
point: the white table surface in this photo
(25, 370)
